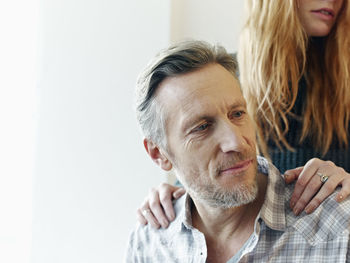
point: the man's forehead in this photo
(203, 82)
(200, 91)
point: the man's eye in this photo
(237, 114)
(202, 127)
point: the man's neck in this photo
(226, 230)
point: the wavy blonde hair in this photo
(275, 53)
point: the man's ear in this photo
(157, 155)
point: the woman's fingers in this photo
(158, 209)
(303, 175)
(179, 192)
(292, 175)
(345, 189)
(319, 187)
(140, 217)
(145, 215)
(316, 181)
(327, 188)
(166, 193)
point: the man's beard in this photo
(218, 196)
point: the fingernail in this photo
(292, 204)
(296, 211)
(309, 209)
(164, 224)
(340, 198)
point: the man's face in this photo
(211, 138)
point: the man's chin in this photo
(219, 197)
(229, 183)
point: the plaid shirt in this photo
(278, 236)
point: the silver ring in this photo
(323, 177)
(146, 211)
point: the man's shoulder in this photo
(152, 245)
(328, 222)
(147, 233)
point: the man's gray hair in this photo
(178, 59)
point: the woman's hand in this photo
(157, 209)
(315, 182)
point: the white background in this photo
(72, 165)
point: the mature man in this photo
(194, 118)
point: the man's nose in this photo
(231, 138)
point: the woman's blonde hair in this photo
(275, 52)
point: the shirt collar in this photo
(273, 208)
(183, 219)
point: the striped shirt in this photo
(279, 235)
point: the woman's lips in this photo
(324, 13)
(237, 168)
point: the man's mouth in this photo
(237, 168)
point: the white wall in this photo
(92, 171)
(214, 21)
(18, 50)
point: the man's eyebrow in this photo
(238, 103)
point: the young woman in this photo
(294, 61)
